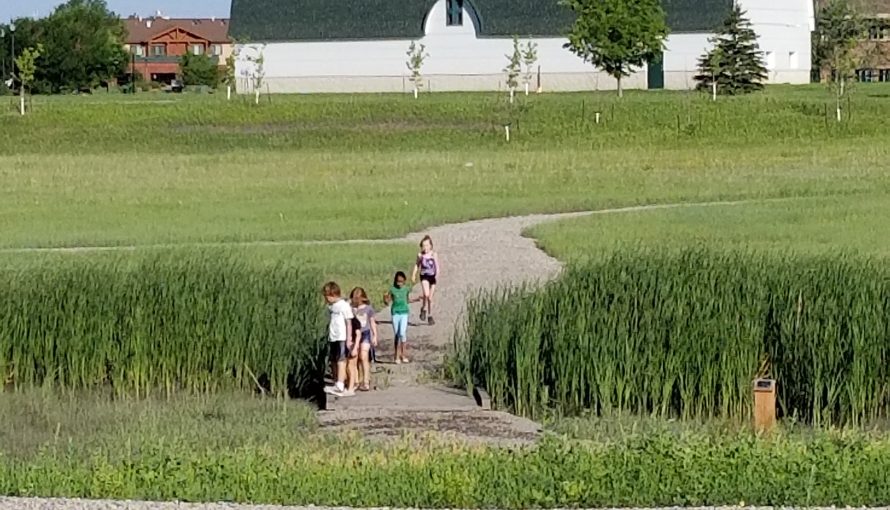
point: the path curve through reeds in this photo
(476, 256)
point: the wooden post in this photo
(764, 404)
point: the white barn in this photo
(360, 45)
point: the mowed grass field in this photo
(816, 225)
(155, 169)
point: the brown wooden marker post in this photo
(764, 404)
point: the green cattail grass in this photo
(683, 335)
(163, 324)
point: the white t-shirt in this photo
(340, 313)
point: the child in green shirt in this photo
(399, 301)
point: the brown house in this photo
(157, 44)
(874, 50)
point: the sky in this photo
(10, 9)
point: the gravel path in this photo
(475, 256)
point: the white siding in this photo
(459, 60)
(784, 27)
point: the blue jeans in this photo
(400, 327)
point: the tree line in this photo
(81, 47)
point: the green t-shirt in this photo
(400, 300)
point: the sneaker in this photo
(398, 361)
(331, 390)
(422, 314)
(431, 321)
(406, 360)
(346, 393)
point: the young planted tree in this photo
(417, 55)
(617, 35)
(26, 64)
(228, 77)
(529, 60)
(256, 72)
(734, 65)
(839, 28)
(514, 68)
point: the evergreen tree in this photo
(735, 62)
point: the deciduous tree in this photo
(839, 29)
(26, 67)
(617, 35)
(84, 46)
(199, 70)
(529, 60)
(514, 67)
(417, 55)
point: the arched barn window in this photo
(455, 13)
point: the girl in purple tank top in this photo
(427, 265)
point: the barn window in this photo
(455, 15)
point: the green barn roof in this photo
(328, 20)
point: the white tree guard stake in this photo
(416, 93)
(512, 93)
(229, 93)
(714, 90)
(597, 117)
(22, 103)
(526, 88)
(507, 132)
(257, 96)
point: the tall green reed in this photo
(684, 334)
(163, 324)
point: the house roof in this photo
(142, 30)
(322, 20)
